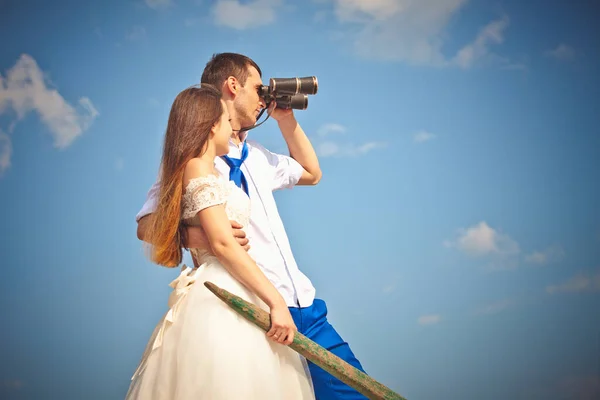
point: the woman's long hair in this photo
(193, 114)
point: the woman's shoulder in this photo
(198, 170)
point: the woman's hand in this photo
(282, 325)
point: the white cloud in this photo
(333, 149)
(25, 89)
(158, 4)
(192, 21)
(327, 129)
(561, 52)
(320, 16)
(582, 282)
(390, 285)
(234, 14)
(389, 288)
(549, 255)
(481, 239)
(429, 319)
(327, 149)
(492, 33)
(414, 31)
(423, 136)
(136, 33)
(5, 152)
(495, 308)
(351, 10)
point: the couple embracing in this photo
(214, 187)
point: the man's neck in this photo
(238, 137)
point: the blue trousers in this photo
(312, 323)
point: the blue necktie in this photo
(235, 173)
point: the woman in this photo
(202, 349)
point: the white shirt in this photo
(265, 172)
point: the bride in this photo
(201, 349)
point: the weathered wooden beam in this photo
(312, 351)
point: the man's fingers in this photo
(247, 247)
(238, 233)
(235, 224)
(243, 243)
(242, 240)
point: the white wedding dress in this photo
(202, 349)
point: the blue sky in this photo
(455, 234)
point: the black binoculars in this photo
(289, 92)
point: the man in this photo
(260, 172)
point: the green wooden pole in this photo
(319, 355)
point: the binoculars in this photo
(289, 92)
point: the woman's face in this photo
(222, 132)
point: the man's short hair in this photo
(223, 65)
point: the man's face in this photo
(248, 103)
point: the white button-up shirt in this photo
(265, 172)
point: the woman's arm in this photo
(240, 265)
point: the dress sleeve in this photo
(201, 193)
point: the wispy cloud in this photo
(423, 136)
(193, 21)
(389, 288)
(5, 152)
(334, 149)
(479, 49)
(390, 285)
(119, 164)
(429, 319)
(25, 89)
(582, 282)
(341, 146)
(481, 240)
(330, 128)
(159, 4)
(551, 254)
(136, 33)
(237, 15)
(495, 308)
(414, 32)
(561, 52)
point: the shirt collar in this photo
(243, 137)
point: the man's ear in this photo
(232, 85)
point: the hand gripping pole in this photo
(312, 351)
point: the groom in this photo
(260, 172)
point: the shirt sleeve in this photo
(286, 171)
(150, 205)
